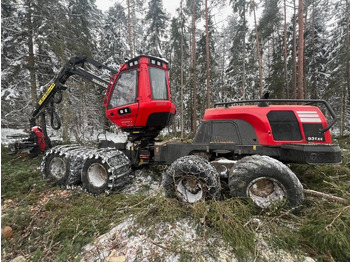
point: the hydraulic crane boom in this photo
(73, 67)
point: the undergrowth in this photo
(53, 224)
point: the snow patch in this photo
(165, 241)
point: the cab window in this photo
(125, 89)
(158, 83)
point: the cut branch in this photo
(328, 197)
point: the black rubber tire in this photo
(191, 169)
(97, 187)
(101, 176)
(246, 174)
(75, 164)
(55, 168)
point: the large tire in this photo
(104, 170)
(265, 181)
(55, 168)
(191, 179)
(75, 164)
(57, 165)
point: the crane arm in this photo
(75, 66)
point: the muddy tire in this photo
(266, 181)
(191, 179)
(104, 171)
(55, 168)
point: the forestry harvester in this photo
(242, 144)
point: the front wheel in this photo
(191, 179)
(266, 181)
(55, 168)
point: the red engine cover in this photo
(268, 122)
(139, 95)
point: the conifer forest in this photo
(290, 48)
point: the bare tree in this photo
(130, 31)
(294, 53)
(182, 73)
(301, 52)
(207, 53)
(348, 48)
(285, 48)
(258, 51)
(194, 64)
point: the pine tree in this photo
(338, 58)
(156, 31)
(239, 44)
(113, 45)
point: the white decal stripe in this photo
(308, 115)
(306, 112)
(310, 120)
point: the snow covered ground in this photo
(10, 135)
(181, 240)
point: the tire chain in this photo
(119, 166)
(198, 167)
(77, 155)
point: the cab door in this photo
(122, 105)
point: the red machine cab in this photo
(138, 98)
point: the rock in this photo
(115, 259)
(308, 259)
(19, 259)
(7, 233)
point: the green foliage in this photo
(229, 217)
(328, 232)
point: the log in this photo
(328, 197)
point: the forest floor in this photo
(50, 223)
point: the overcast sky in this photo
(169, 5)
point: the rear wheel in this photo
(266, 181)
(191, 179)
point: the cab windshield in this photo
(124, 91)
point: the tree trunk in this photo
(258, 54)
(305, 84)
(194, 73)
(313, 88)
(301, 52)
(285, 49)
(294, 54)
(182, 76)
(348, 49)
(244, 56)
(130, 32)
(31, 58)
(207, 52)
